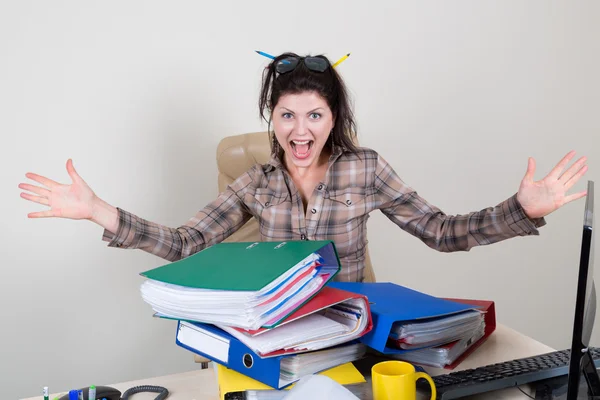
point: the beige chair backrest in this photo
(235, 155)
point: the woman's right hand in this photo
(75, 201)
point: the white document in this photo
(319, 387)
(337, 324)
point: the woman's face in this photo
(302, 124)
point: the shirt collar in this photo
(276, 160)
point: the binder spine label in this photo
(206, 342)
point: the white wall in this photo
(456, 95)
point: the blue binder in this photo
(212, 342)
(392, 303)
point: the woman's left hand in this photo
(540, 198)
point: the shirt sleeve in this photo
(211, 225)
(448, 233)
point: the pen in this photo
(265, 54)
(45, 392)
(92, 393)
(338, 62)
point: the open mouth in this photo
(301, 148)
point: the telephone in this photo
(110, 393)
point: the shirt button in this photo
(118, 245)
(349, 202)
(267, 204)
(303, 236)
(314, 211)
(320, 187)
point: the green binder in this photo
(238, 267)
(243, 266)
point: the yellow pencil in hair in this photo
(338, 62)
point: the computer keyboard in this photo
(503, 375)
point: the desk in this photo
(503, 345)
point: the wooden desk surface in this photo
(503, 345)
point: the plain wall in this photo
(455, 95)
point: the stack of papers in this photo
(294, 368)
(334, 325)
(442, 356)
(245, 285)
(436, 331)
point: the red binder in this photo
(326, 298)
(489, 317)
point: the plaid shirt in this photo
(338, 210)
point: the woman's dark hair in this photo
(328, 84)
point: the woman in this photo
(318, 185)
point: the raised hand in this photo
(75, 200)
(540, 198)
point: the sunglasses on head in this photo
(317, 64)
(288, 64)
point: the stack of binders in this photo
(407, 325)
(262, 309)
(423, 329)
(269, 313)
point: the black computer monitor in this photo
(581, 362)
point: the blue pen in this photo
(270, 56)
(265, 54)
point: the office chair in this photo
(235, 155)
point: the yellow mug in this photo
(397, 380)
